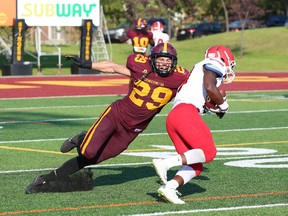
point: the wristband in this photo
(87, 64)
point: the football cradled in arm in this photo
(212, 107)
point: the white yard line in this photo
(159, 115)
(52, 107)
(92, 166)
(148, 134)
(50, 120)
(139, 164)
(212, 210)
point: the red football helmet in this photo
(163, 50)
(141, 24)
(157, 26)
(225, 55)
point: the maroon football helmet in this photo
(141, 24)
(163, 50)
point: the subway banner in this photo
(58, 12)
(7, 12)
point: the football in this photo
(211, 104)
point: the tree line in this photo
(187, 11)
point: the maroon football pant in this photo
(106, 138)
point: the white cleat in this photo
(170, 195)
(161, 170)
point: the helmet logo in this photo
(139, 22)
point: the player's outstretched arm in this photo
(79, 62)
(103, 66)
(111, 67)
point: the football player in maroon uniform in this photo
(140, 36)
(154, 81)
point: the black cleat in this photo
(72, 142)
(35, 186)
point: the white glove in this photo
(221, 109)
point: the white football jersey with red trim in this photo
(193, 91)
(160, 37)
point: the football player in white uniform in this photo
(191, 136)
(158, 35)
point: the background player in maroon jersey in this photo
(154, 81)
(140, 36)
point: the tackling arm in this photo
(111, 67)
(103, 66)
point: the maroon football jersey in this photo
(140, 40)
(146, 97)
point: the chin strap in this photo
(136, 82)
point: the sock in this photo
(68, 168)
(187, 173)
(194, 156)
(173, 161)
(173, 184)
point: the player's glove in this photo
(221, 109)
(79, 62)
